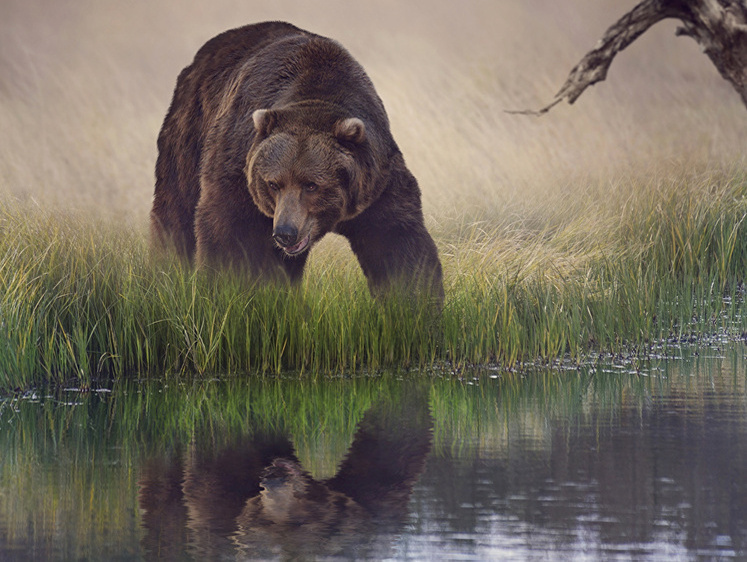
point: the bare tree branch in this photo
(719, 26)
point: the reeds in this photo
(619, 268)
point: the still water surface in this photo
(643, 462)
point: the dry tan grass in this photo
(84, 86)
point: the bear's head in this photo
(304, 170)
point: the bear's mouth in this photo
(297, 248)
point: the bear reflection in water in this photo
(252, 499)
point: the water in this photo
(642, 461)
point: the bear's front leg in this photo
(390, 240)
(233, 235)
(398, 257)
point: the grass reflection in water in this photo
(180, 468)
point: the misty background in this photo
(84, 87)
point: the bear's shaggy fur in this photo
(275, 137)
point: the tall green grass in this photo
(614, 267)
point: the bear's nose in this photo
(285, 235)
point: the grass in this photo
(602, 226)
(623, 268)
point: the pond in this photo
(642, 460)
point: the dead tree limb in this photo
(719, 27)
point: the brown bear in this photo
(275, 137)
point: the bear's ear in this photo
(351, 130)
(264, 121)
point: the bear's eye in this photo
(273, 185)
(310, 186)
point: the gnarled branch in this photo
(719, 26)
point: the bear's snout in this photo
(285, 235)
